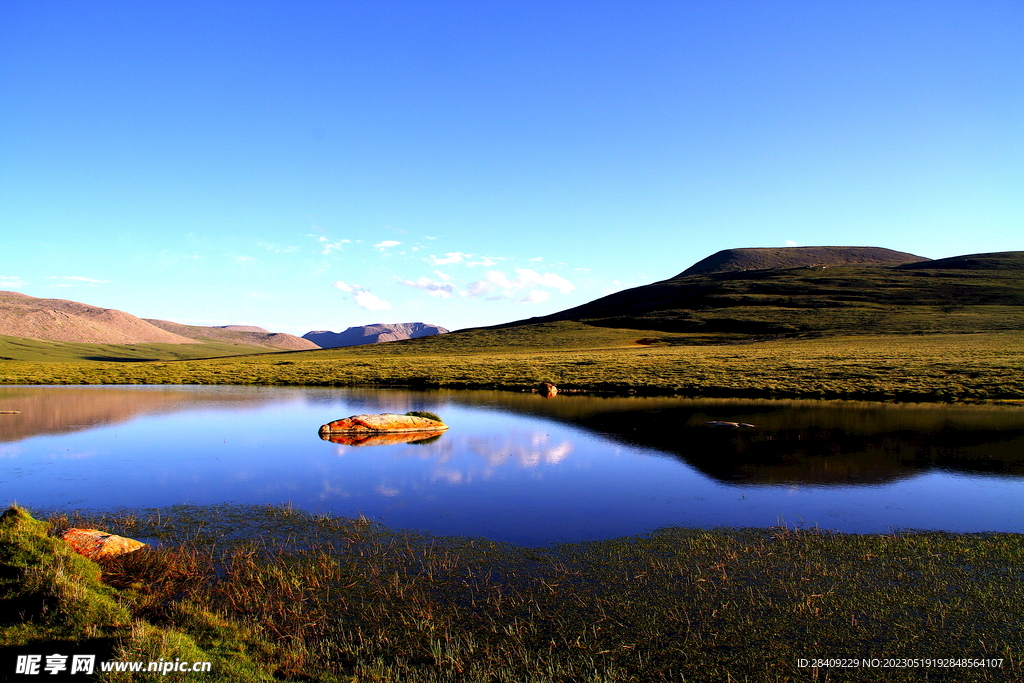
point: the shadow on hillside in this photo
(119, 359)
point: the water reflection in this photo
(519, 467)
(832, 444)
(377, 439)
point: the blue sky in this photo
(315, 165)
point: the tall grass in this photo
(347, 600)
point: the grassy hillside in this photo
(38, 350)
(982, 292)
(732, 260)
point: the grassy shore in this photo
(271, 593)
(939, 367)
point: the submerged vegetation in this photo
(271, 593)
(575, 356)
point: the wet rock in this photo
(96, 544)
(547, 389)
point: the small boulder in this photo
(382, 423)
(97, 545)
(547, 389)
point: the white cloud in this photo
(371, 302)
(9, 281)
(485, 261)
(443, 288)
(245, 259)
(535, 296)
(363, 297)
(385, 244)
(528, 277)
(328, 247)
(498, 285)
(791, 243)
(450, 257)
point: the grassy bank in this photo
(266, 592)
(941, 367)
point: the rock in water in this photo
(382, 423)
(96, 544)
(547, 389)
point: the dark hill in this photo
(1002, 260)
(977, 292)
(760, 258)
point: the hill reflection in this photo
(816, 443)
(63, 410)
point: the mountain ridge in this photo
(762, 258)
(63, 320)
(375, 333)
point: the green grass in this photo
(275, 592)
(21, 349)
(946, 367)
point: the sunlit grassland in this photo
(943, 367)
(21, 349)
(272, 592)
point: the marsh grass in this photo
(348, 600)
(946, 367)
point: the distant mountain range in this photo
(372, 334)
(69, 321)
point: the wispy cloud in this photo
(498, 285)
(276, 249)
(327, 246)
(450, 257)
(443, 287)
(385, 244)
(75, 278)
(363, 297)
(485, 261)
(10, 281)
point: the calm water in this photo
(518, 467)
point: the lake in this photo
(520, 467)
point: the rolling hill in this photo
(33, 328)
(741, 293)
